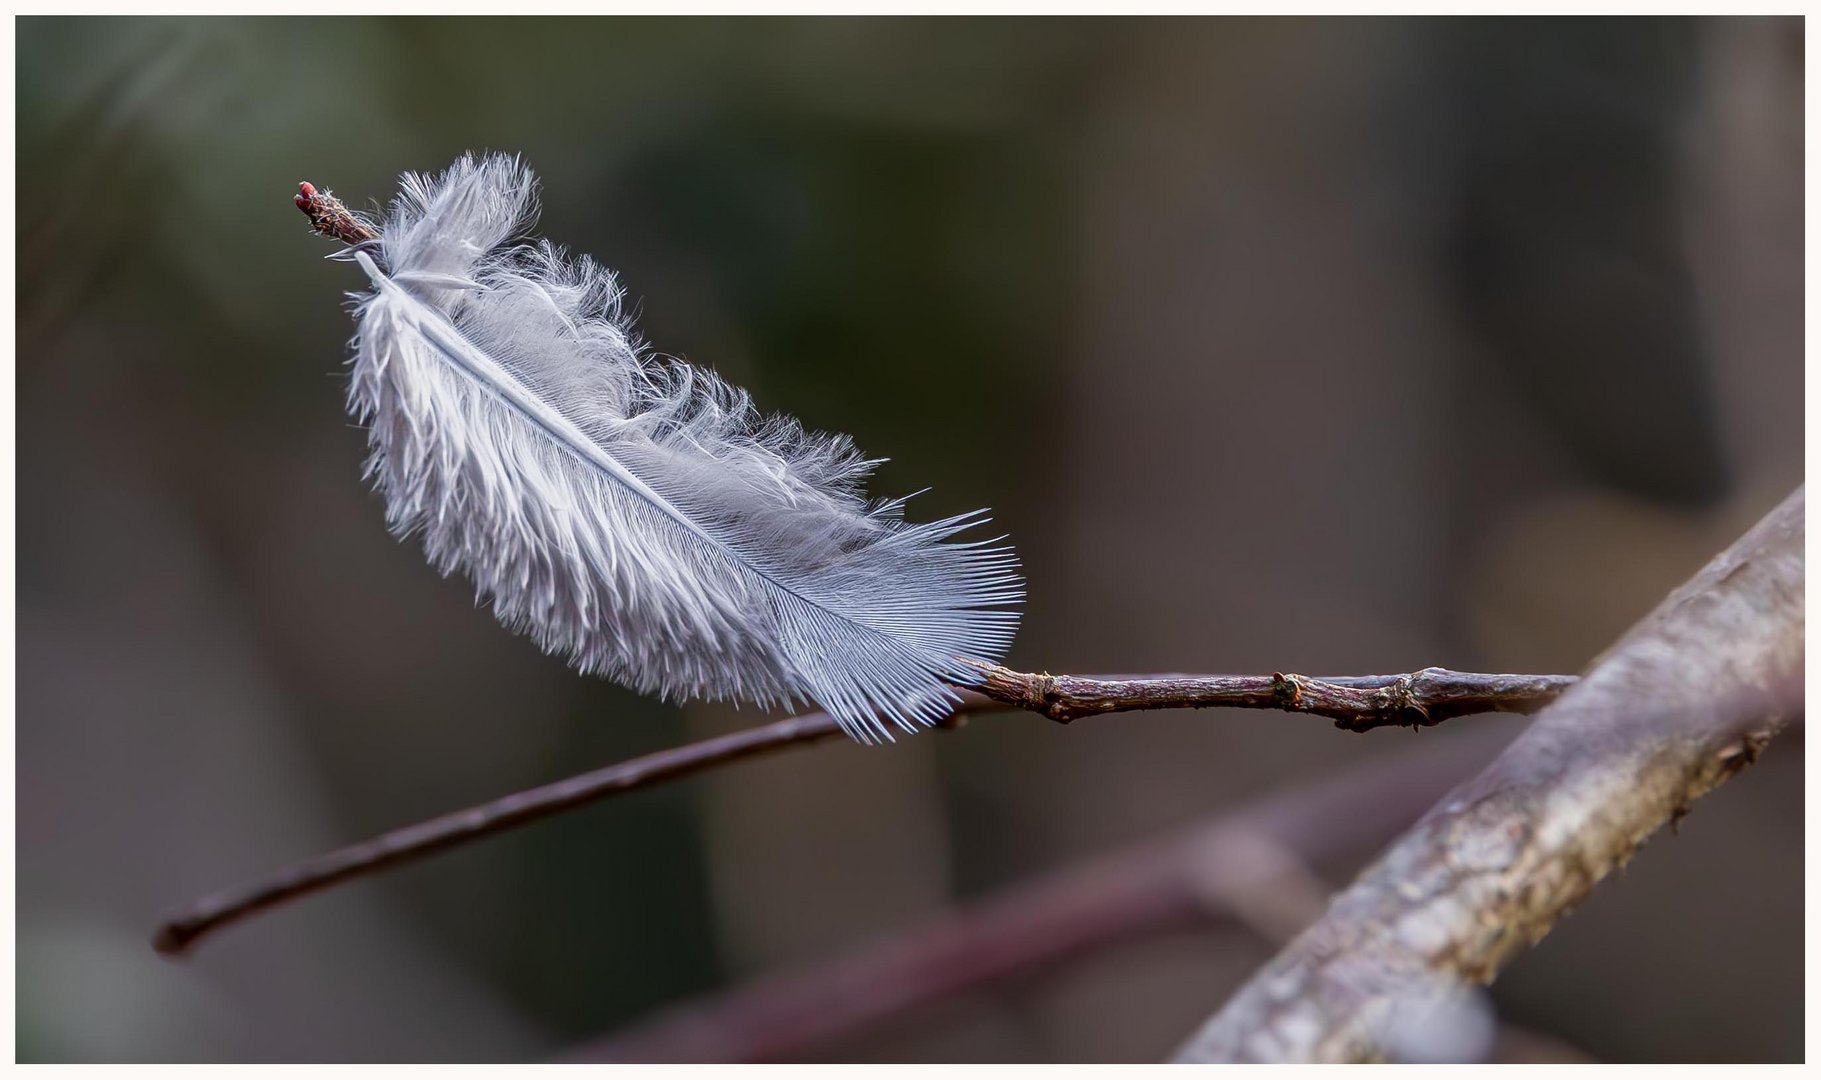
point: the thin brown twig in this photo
(451, 830)
(1356, 703)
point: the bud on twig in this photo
(329, 217)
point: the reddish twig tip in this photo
(329, 217)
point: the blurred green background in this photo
(1302, 345)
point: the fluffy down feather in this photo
(633, 514)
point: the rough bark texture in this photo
(1682, 701)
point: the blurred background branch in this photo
(1250, 868)
(1233, 868)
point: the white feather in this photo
(636, 515)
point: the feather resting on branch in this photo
(637, 515)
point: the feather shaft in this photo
(487, 371)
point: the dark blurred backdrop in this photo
(1321, 346)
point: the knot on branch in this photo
(1286, 691)
(1405, 702)
(1043, 693)
(1744, 752)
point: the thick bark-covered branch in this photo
(1681, 702)
(1357, 703)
